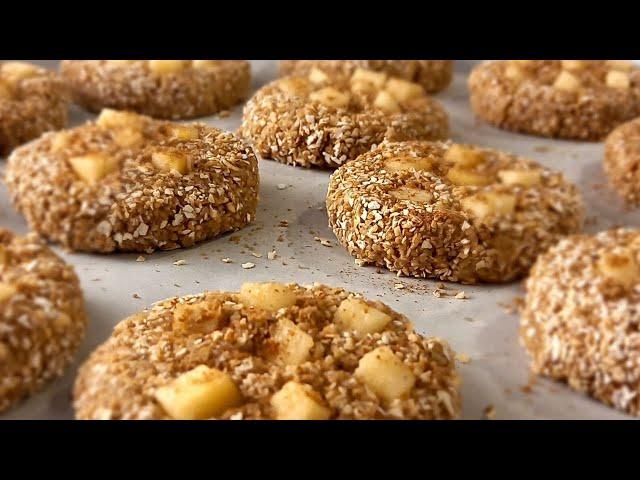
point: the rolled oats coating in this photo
(622, 160)
(573, 99)
(455, 212)
(127, 182)
(171, 89)
(432, 75)
(581, 316)
(271, 351)
(42, 316)
(325, 120)
(32, 101)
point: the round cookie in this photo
(581, 316)
(271, 351)
(573, 99)
(455, 212)
(325, 120)
(42, 316)
(433, 75)
(170, 89)
(32, 101)
(622, 160)
(130, 183)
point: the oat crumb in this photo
(248, 265)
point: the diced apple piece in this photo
(292, 86)
(110, 118)
(566, 81)
(514, 72)
(198, 394)
(573, 64)
(358, 316)
(526, 178)
(163, 67)
(620, 267)
(127, 137)
(268, 296)
(297, 401)
(369, 77)
(293, 343)
(402, 90)
(170, 161)
(385, 102)
(331, 97)
(17, 71)
(202, 317)
(120, 63)
(92, 167)
(622, 65)
(317, 76)
(460, 176)
(385, 374)
(410, 193)
(618, 79)
(205, 64)
(400, 164)
(464, 156)
(7, 291)
(483, 205)
(184, 132)
(59, 141)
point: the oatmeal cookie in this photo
(42, 316)
(622, 160)
(271, 351)
(127, 182)
(32, 101)
(455, 212)
(433, 75)
(581, 316)
(171, 89)
(573, 99)
(325, 120)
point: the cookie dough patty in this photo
(130, 183)
(433, 75)
(271, 351)
(622, 160)
(32, 101)
(454, 212)
(581, 316)
(42, 317)
(574, 99)
(159, 88)
(325, 120)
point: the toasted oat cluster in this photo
(574, 99)
(432, 75)
(32, 101)
(581, 316)
(622, 160)
(127, 182)
(271, 351)
(455, 212)
(324, 120)
(42, 317)
(170, 89)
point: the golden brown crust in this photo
(622, 160)
(433, 75)
(30, 106)
(190, 93)
(293, 129)
(438, 234)
(580, 326)
(523, 98)
(136, 207)
(42, 316)
(147, 351)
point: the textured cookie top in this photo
(269, 351)
(128, 175)
(622, 160)
(23, 82)
(42, 317)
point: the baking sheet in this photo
(496, 377)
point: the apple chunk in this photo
(268, 296)
(385, 374)
(356, 315)
(297, 401)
